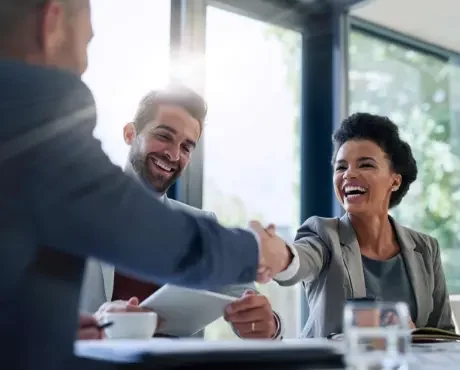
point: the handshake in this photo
(274, 254)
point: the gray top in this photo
(331, 270)
(388, 281)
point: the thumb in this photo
(257, 227)
(271, 229)
(133, 301)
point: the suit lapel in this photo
(351, 255)
(414, 266)
(108, 274)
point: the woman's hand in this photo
(392, 319)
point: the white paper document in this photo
(186, 311)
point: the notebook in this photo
(422, 335)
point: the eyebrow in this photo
(172, 131)
(360, 159)
(366, 159)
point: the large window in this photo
(420, 93)
(128, 57)
(251, 142)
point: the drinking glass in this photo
(376, 335)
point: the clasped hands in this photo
(274, 254)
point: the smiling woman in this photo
(369, 146)
(366, 253)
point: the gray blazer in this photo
(331, 272)
(98, 279)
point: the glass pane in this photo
(251, 143)
(416, 91)
(128, 56)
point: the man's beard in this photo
(161, 183)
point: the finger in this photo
(261, 329)
(249, 316)
(261, 269)
(255, 335)
(133, 301)
(271, 229)
(89, 333)
(130, 308)
(87, 320)
(245, 303)
(264, 277)
(257, 227)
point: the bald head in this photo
(47, 32)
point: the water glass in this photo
(376, 335)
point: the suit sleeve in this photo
(311, 255)
(234, 290)
(441, 316)
(82, 204)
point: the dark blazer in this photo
(98, 281)
(61, 200)
(332, 272)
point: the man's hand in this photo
(131, 305)
(252, 316)
(275, 255)
(89, 328)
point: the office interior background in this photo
(279, 76)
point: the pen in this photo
(105, 325)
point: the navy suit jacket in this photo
(61, 200)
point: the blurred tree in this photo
(292, 44)
(414, 90)
(229, 208)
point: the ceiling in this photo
(434, 21)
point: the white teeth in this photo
(354, 188)
(162, 165)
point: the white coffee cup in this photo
(130, 325)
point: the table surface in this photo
(434, 356)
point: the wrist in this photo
(288, 257)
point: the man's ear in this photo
(129, 133)
(52, 28)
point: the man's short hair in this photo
(179, 95)
(13, 12)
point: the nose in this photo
(350, 173)
(173, 153)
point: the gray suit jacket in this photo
(331, 271)
(98, 280)
(62, 200)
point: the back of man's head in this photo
(46, 32)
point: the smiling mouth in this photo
(353, 192)
(162, 165)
